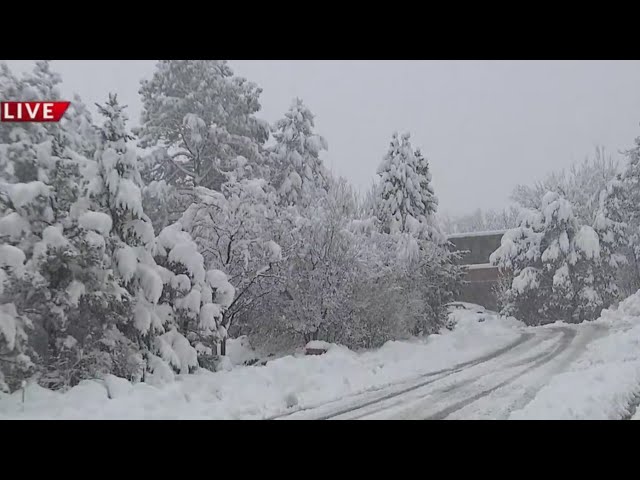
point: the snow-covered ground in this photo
(486, 367)
(603, 382)
(283, 385)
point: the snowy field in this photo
(487, 367)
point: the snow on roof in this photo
(476, 234)
(479, 266)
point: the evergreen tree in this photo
(557, 255)
(64, 276)
(518, 258)
(556, 268)
(299, 175)
(202, 117)
(408, 203)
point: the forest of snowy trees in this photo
(138, 252)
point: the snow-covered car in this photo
(456, 309)
(316, 347)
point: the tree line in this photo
(138, 252)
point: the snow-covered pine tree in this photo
(24, 158)
(298, 173)
(408, 203)
(193, 302)
(406, 210)
(173, 300)
(15, 352)
(64, 270)
(114, 211)
(202, 116)
(518, 259)
(595, 287)
(26, 210)
(557, 268)
(611, 229)
(540, 255)
(558, 256)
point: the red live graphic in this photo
(32, 111)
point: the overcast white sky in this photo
(484, 125)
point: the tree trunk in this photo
(223, 347)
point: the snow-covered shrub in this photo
(322, 261)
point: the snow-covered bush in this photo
(321, 266)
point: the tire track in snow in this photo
(457, 385)
(569, 344)
(589, 333)
(382, 401)
(443, 373)
(567, 337)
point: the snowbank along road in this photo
(489, 387)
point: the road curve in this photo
(490, 386)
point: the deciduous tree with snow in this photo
(322, 260)
(235, 232)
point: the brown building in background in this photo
(481, 278)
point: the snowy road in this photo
(490, 387)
